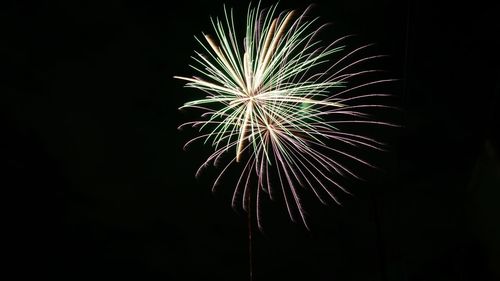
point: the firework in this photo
(276, 103)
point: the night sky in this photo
(97, 183)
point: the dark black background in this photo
(97, 183)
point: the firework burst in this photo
(276, 102)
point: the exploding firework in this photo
(278, 103)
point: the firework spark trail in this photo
(276, 103)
